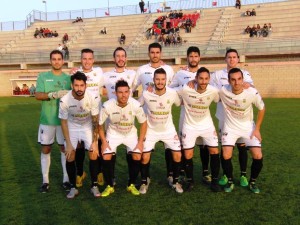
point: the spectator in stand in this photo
(168, 22)
(42, 32)
(122, 39)
(67, 53)
(78, 19)
(59, 47)
(253, 31)
(149, 33)
(65, 38)
(103, 31)
(248, 12)
(258, 30)
(269, 27)
(167, 41)
(32, 90)
(248, 29)
(25, 89)
(17, 90)
(36, 33)
(253, 13)
(188, 25)
(238, 4)
(142, 5)
(180, 14)
(55, 34)
(179, 40)
(46, 32)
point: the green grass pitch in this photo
(20, 178)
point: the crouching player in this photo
(121, 114)
(79, 112)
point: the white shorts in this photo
(48, 133)
(77, 136)
(129, 141)
(221, 125)
(189, 137)
(229, 138)
(171, 141)
(199, 140)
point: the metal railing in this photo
(36, 15)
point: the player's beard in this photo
(159, 88)
(202, 86)
(193, 64)
(120, 64)
(79, 93)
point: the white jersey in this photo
(94, 81)
(196, 106)
(110, 79)
(218, 79)
(121, 120)
(79, 112)
(238, 108)
(182, 77)
(159, 110)
(145, 74)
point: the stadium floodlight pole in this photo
(108, 7)
(45, 2)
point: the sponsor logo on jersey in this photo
(148, 72)
(186, 77)
(112, 87)
(161, 106)
(115, 113)
(112, 76)
(152, 100)
(224, 134)
(49, 80)
(72, 106)
(244, 100)
(192, 96)
(168, 102)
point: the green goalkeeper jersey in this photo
(48, 82)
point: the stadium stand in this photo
(216, 30)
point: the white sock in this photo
(63, 164)
(45, 165)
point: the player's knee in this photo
(136, 156)
(257, 155)
(145, 158)
(93, 156)
(213, 151)
(189, 153)
(176, 156)
(107, 157)
(46, 149)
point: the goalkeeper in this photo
(51, 86)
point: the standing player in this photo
(160, 127)
(51, 86)
(198, 123)
(94, 83)
(79, 112)
(182, 77)
(219, 79)
(238, 123)
(120, 114)
(145, 76)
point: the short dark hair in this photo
(232, 50)
(54, 52)
(87, 50)
(78, 76)
(192, 49)
(154, 45)
(234, 70)
(201, 70)
(119, 49)
(159, 71)
(121, 83)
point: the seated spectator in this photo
(180, 14)
(60, 48)
(238, 4)
(188, 25)
(179, 40)
(46, 32)
(32, 90)
(65, 38)
(149, 33)
(167, 41)
(253, 13)
(248, 29)
(66, 52)
(269, 27)
(78, 19)
(177, 29)
(25, 90)
(42, 32)
(122, 39)
(17, 90)
(55, 34)
(37, 33)
(248, 12)
(103, 31)
(253, 31)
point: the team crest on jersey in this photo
(244, 100)
(124, 118)
(183, 136)
(168, 102)
(161, 106)
(208, 98)
(112, 87)
(176, 137)
(130, 112)
(95, 74)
